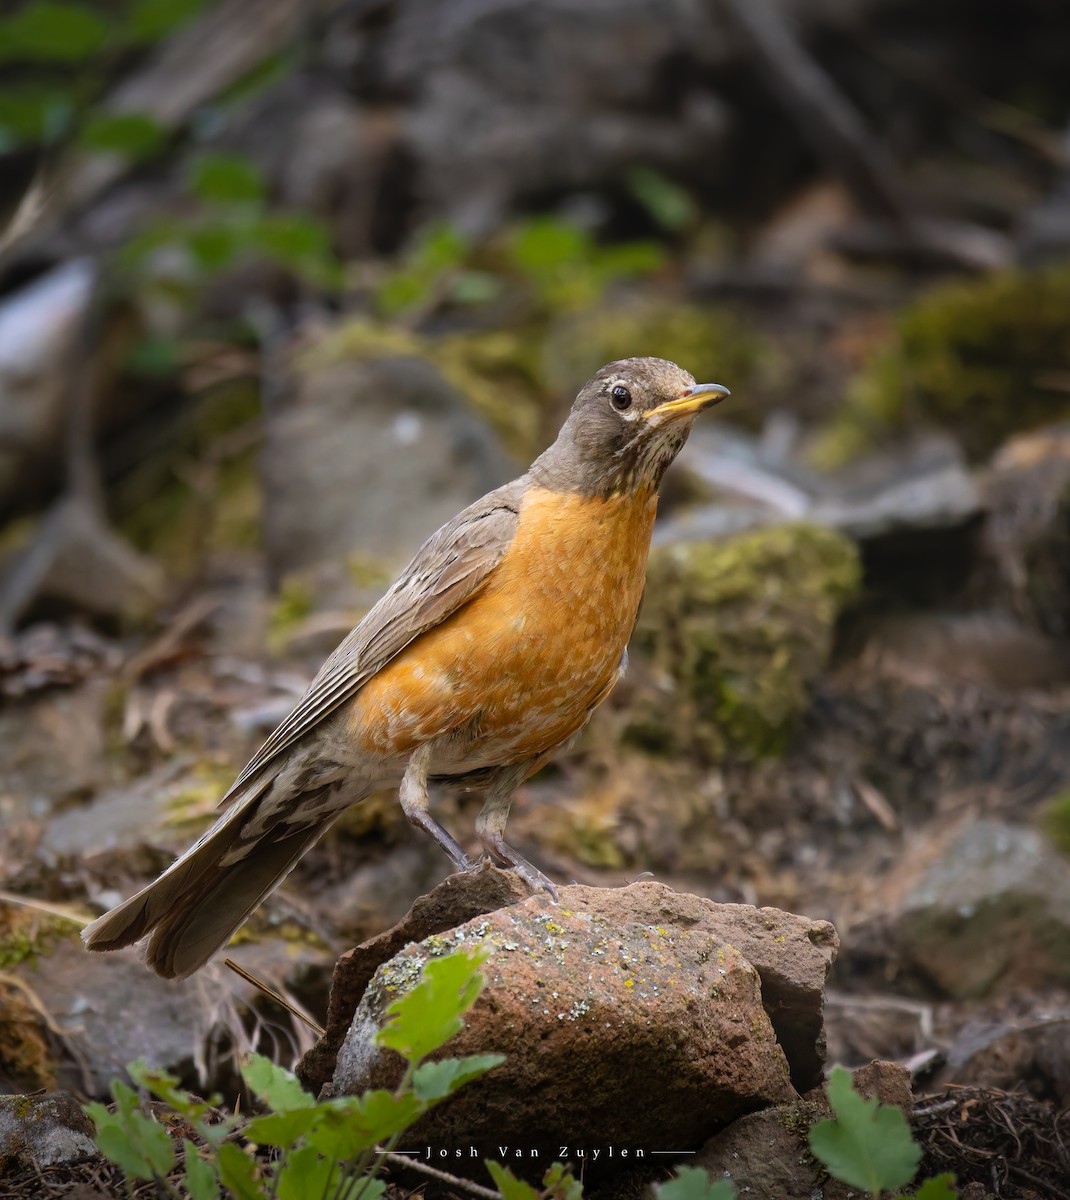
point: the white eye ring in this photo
(620, 397)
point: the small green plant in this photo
(692, 1183)
(869, 1145)
(561, 266)
(327, 1151)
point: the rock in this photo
(613, 991)
(737, 631)
(54, 748)
(109, 1010)
(106, 1010)
(513, 99)
(363, 462)
(37, 326)
(1030, 1053)
(1027, 534)
(458, 899)
(984, 905)
(43, 1131)
(766, 1154)
(984, 358)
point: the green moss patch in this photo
(982, 358)
(737, 630)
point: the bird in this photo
(488, 654)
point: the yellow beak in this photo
(691, 401)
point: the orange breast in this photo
(516, 670)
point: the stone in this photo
(363, 462)
(766, 1154)
(1027, 533)
(984, 905)
(611, 992)
(43, 1131)
(737, 631)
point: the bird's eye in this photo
(620, 398)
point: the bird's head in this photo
(628, 423)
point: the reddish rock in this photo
(628, 1017)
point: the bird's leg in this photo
(415, 803)
(490, 827)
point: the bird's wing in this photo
(451, 567)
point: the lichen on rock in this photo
(736, 631)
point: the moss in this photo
(709, 342)
(982, 358)
(194, 803)
(739, 629)
(357, 340)
(194, 496)
(1054, 821)
(26, 933)
(497, 374)
(293, 605)
(367, 572)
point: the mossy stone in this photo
(737, 630)
(708, 341)
(983, 358)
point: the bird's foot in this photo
(503, 855)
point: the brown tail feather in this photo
(195, 905)
(200, 921)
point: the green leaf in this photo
(304, 1175)
(367, 1188)
(238, 1173)
(438, 248)
(507, 1183)
(150, 20)
(277, 1088)
(49, 31)
(692, 1183)
(868, 1145)
(200, 1176)
(434, 1081)
(281, 1129)
(542, 247)
(345, 1127)
(666, 202)
(35, 113)
(559, 1184)
(129, 134)
(131, 1139)
(164, 1086)
(430, 1014)
(942, 1187)
(299, 243)
(226, 179)
(628, 260)
(213, 246)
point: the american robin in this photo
(492, 649)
